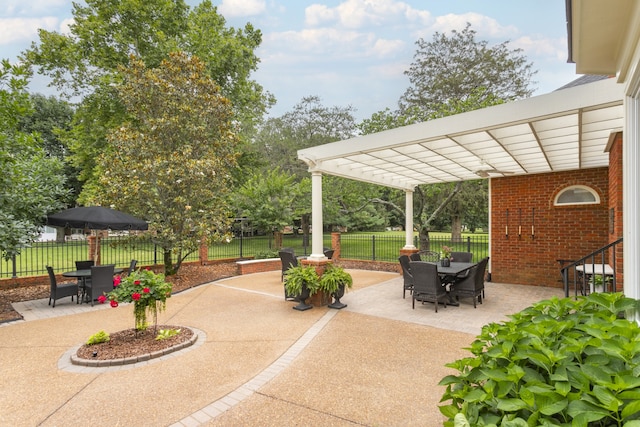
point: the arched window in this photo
(577, 195)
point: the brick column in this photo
(335, 245)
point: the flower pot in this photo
(302, 298)
(445, 262)
(337, 295)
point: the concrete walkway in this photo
(257, 362)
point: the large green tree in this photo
(32, 183)
(170, 161)
(49, 117)
(450, 69)
(86, 62)
(452, 74)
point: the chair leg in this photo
(413, 302)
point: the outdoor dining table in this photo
(450, 273)
(86, 273)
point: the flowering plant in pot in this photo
(147, 291)
(445, 260)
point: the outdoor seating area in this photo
(91, 281)
(432, 281)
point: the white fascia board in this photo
(549, 105)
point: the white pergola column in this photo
(630, 191)
(408, 221)
(316, 217)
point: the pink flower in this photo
(116, 281)
(137, 282)
(146, 290)
(147, 268)
(114, 303)
(135, 296)
(102, 299)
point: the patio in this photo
(259, 362)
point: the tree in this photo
(86, 63)
(448, 70)
(267, 200)
(451, 75)
(49, 117)
(32, 183)
(170, 162)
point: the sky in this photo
(347, 52)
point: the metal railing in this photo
(588, 267)
(113, 250)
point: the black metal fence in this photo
(113, 250)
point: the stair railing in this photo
(597, 265)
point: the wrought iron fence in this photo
(373, 247)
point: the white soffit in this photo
(563, 130)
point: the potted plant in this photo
(301, 282)
(445, 261)
(334, 281)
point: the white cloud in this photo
(356, 14)
(18, 30)
(554, 49)
(485, 26)
(235, 8)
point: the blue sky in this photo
(348, 52)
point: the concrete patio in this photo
(257, 362)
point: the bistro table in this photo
(452, 272)
(85, 274)
(587, 270)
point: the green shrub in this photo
(561, 362)
(98, 338)
(266, 254)
(163, 334)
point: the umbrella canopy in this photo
(96, 218)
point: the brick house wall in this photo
(615, 202)
(567, 232)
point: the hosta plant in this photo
(560, 362)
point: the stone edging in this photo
(75, 360)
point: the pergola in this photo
(568, 129)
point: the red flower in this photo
(137, 282)
(116, 281)
(146, 290)
(135, 296)
(147, 268)
(114, 303)
(102, 299)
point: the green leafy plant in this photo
(266, 254)
(296, 276)
(560, 362)
(147, 291)
(98, 338)
(163, 334)
(333, 277)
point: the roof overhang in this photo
(602, 34)
(563, 130)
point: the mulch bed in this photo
(188, 276)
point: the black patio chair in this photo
(288, 259)
(101, 281)
(429, 256)
(61, 290)
(471, 286)
(82, 281)
(426, 284)
(406, 275)
(461, 256)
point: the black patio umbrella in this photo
(96, 218)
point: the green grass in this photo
(379, 246)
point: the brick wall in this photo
(568, 232)
(615, 203)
